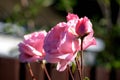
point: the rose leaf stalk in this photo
(70, 73)
(45, 69)
(78, 66)
(31, 72)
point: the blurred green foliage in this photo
(118, 1)
(24, 14)
(65, 5)
(109, 32)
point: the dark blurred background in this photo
(19, 17)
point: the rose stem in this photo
(70, 73)
(45, 69)
(81, 55)
(31, 72)
(78, 67)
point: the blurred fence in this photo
(12, 69)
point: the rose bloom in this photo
(63, 41)
(61, 46)
(31, 49)
(83, 29)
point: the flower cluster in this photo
(61, 44)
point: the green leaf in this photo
(86, 78)
(73, 67)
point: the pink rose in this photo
(71, 17)
(31, 49)
(83, 29)
(61, 46)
